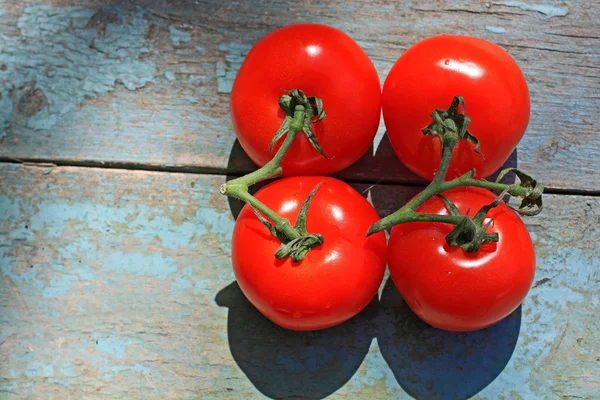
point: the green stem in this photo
(281, 224)
(408, 215)
(272, 169)
(448, 144)
(438, 186)
(238, 187)
(469, 233)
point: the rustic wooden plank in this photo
(147, 85)
(119, 284)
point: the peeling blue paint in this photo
(547, 9)
(45, 308)
(203, 286)
(182, 284)
(178, 36)
(69, 61)
(153, 265)
(28, 278)
(67, 370)
(235, 53)
(58, 286)
(495, 29)
(112, 346)
(170, 75)
(38, 369)
(137, 367)
(214, 222)
(114, 236)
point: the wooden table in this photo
(116, 278)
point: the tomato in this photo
(428, 75)
(455, 290)
(336, 280)
(323, 62)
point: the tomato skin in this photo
(335, 281)
(321, 61)
(428, 75)
(454, 290)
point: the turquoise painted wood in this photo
(118, 284)
(147, 85)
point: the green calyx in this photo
(313, 110)
(451, 125)
(469, 233)
(291, 245)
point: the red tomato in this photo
(428, 75)
(323, 62)
(455, 290)
(335, 281)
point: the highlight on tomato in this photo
(428, 75)
(335, 280)
(323, 63)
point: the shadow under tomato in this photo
(282, 363)
(382, 165)
(430, 363)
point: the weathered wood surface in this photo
(118, 284)
(146, 83)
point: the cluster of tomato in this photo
(446, 286)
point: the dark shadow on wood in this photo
(382, 166)
(284, 364)
(430, 363)
(385, 167)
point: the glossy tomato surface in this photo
(455, 290)
(323, 62)
(336, 280)
(428, 75)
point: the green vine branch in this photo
(451, 127)
(301, 112)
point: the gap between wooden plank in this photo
(45, 163)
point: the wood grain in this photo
(146, 84)
(118, 284)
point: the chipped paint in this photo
(114, 346)
(60, 60)
(170, 75)
(154, 265)
(167, 337)
(132, 261)
(495, 29)
(178, 36)
(235, 53)
(178, 133)
(547, 9)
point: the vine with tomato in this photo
(309, 282)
